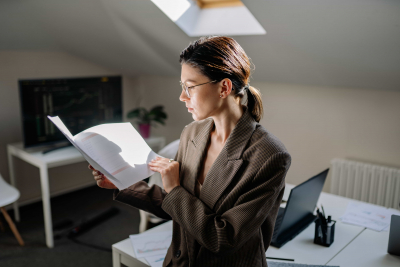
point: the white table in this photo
(123, 251)
(60, 157)
(369, 249)
(302, 248)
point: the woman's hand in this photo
(101, 180)
(169, 172)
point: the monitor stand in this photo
(55, 148)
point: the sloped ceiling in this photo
(343, 43)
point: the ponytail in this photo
(254, 103)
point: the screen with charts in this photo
(80, 102)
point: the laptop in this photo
(299, 211)
(394, 236)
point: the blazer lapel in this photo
(228, 161)
(195, 155)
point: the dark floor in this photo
(75, 206)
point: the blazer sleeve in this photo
(150, 199)
(227, 232)
(143, 197)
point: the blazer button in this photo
(178, 254)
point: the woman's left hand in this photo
(169, 172)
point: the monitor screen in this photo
(80, 103)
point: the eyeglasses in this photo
(186, 88)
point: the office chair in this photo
(169, 151)
(8, 195)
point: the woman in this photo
(225, 185)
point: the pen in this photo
(281, 259)
(320, 216)
(323, 211)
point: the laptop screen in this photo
(302, 201)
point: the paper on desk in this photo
(367, 215)
(151, 244)
(115, 149)
(155, 261)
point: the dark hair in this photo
(220, 57)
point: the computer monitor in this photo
(80, 102)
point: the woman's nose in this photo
(183, 97)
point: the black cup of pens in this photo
(324, 231)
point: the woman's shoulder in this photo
(265, 142)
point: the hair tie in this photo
(246, 87)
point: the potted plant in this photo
(145, 118)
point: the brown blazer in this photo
(232, 221)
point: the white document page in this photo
(367, 215)
(116, 149)
(151, 244)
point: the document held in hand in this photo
(115, 149)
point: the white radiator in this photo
(366, 182)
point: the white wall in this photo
(316, 124)
(15, 65)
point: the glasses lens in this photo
(184, 87)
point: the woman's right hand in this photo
(101, 180)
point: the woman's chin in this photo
(195, 116)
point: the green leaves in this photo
(142, 116)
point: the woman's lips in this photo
(190, 109)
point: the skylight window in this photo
(211, 17)
(218, 3)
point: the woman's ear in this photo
(226, 87)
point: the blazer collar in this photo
(217, 178)
(236, 141)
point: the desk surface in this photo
(301, 248)
(369, 249)
(63, 156)
(125, 247)
(59, 157)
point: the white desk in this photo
(123, 251)
(302, 248)
(60, 157)
(369, 249)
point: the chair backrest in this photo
(8, 194)
(3, 183)
(170, 150)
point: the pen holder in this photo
(324, 233)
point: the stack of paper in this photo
(152, 246)
(367, 215)
(115, 149)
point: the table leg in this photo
(13, 182)
(48, 225)
(116, 258)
